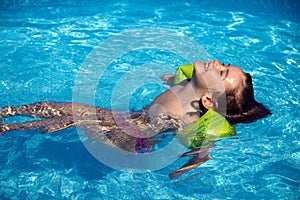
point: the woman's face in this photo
(216, 76)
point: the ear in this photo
(207, 101)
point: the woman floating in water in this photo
(210, 86)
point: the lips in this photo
(205, 66)
(200, 66)
(209, 64)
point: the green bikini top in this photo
(209, 127)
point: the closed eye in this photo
(223, 74)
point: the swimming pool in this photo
(46, 44)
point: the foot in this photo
(7, 111)
(3, 129)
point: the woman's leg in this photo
(44, 126)
(49, 110)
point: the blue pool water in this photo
(44, 45)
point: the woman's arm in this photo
(199, 156)
(168, 79)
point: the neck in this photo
(189, 97)
(191, 91)
(180, 100)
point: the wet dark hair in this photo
(241, 104)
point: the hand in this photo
(168, 79)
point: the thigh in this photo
(57, 109)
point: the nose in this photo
(218, 65)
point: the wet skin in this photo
(208, 78)
(172, 110)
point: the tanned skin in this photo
(172, 110)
